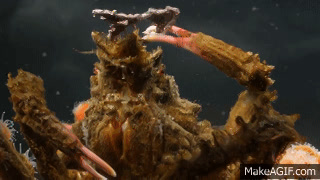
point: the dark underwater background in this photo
(40, 36)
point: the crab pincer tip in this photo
(97, 160)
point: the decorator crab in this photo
(136, 120)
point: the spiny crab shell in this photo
(136, 118)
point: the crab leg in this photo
(45, 132)
(243, 66)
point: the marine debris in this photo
(137, 122)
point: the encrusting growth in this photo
(136, 120)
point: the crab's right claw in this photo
(180, 31)
(183, 40)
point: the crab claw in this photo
(86, 154)
(243, 66)
(183, 40)
(96, 159)
(36, 120)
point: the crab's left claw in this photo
(85, 153)
(44, 131)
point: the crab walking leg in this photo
(243, 66)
